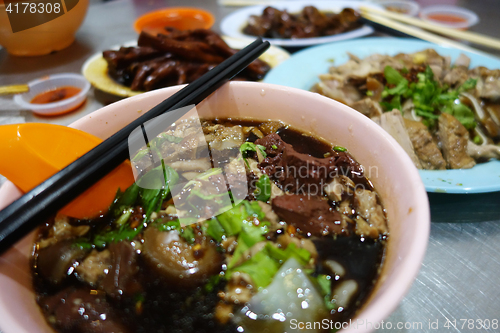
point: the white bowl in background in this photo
(52, 82)
(406, 7)
(392, 173)
(470, 18)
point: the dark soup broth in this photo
(301, 238)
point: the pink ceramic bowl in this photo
(392, 172)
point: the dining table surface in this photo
(458, 286)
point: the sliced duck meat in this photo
(310, 214)
(392, 122)
(463, 61)
(425, 147)
(454, 139)
(368, 107)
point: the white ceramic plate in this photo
(303, 68)
(233, 24)
(95, 69)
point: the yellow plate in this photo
(95, 69)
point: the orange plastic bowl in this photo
(45, 38)
(182, 18)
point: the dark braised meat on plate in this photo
(310, 22)
(176, 57)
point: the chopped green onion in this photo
(188, 234)
(247, 147)
(169, 226)
(339, 148)
(263, 188)
(325, 284)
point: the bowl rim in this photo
(49, 106)
(388, 299)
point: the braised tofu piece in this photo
(426, 149)
(454, 138)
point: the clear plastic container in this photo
(53, 82)
(449, 16)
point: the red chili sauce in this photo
(55, 95)
(447, 18)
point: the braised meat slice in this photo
(303, 173)
(126, 56)
(82, 311)
(426, 149)
(368, 107)
(310, 22)
(175, 57)
(392, 122)
(310, 214)
(121, 278)
(454, 138)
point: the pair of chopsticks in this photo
(23, 215)
(391, 20)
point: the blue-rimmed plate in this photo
(302, 70)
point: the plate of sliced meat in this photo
(299, 23)
(176, 57)
(442, 105)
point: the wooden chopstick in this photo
(24, 214)
(417, 32)
(465, 35)
(14, 89)
(383, 28)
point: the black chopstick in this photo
(385, 29)
(27, 212)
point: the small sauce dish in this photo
(55, 94)
(406, 7)
(449, 16)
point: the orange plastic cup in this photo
(33, 152)
(181, 18)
